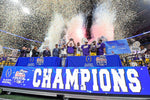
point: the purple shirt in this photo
(100, 49)
(135, 58)
(85, 49)
(70, 50)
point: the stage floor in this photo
(33, 97)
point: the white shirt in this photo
(147, 56)
(142, 51)
(78, 49)
(64, 51)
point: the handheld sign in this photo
(117, 47)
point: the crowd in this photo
(69, 49)
(139, 57)
(7, 60)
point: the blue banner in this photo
(93, 61)
(39, 61)
(117, 47)
(93, 80)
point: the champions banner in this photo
(90, 80)
(117, 47)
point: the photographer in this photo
(70, 48)
(24, 51)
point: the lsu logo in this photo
(101, 61)
(40, 61)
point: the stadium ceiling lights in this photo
(15, 1)
(26, 10)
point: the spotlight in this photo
(15, 1)
(26, 10)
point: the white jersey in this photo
(142, 51)
(64, 51)
(147, 55)
(78, 50)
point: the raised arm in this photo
(98, 45)
(105, 50)
(91, 46)
(74, 43)
(68, 42)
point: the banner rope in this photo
(20, 36)
(138, 35)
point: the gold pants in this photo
(70, 54)
(78, 54)
(93, 53)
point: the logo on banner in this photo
(101, 61)
(88, 59)
(88, 62)
(40, 61)
(20, 76)
(31, 61)
(8, 73)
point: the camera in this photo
(71, 39)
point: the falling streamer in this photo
(54, 32)
(103, 21)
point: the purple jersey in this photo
(70, 50)
(100, 48)
(85, 49)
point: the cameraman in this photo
(24, 51)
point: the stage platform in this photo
(77, 82)
(48, 95)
